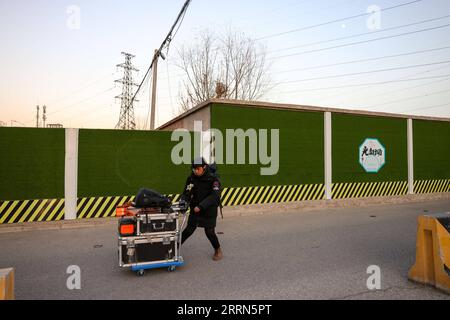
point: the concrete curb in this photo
(330, 204)
(246, 210)
(57, 225)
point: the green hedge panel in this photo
(301, 144)
(431, 149)
(32, 163)
(350, 131)
(113, 162)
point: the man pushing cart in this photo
(150, 232)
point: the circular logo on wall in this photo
(372, 155)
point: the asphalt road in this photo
(310, 255)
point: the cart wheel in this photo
(171, 268)
(141, 273)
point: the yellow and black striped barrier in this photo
(433, 251)
(102, 207)
(272, 194)
(431, 186)
(369, 189)
(99, 207)
(387, 188)
(31, 210)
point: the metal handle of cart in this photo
(182, 208)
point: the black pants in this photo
(210, 233)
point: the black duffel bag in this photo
(147, 198)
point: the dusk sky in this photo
(45, 60)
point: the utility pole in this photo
(37, 116)
(155, 81)
(126, 119)
(44, 116)
(158, 54)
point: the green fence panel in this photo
(115, 162)
(301, 146)
(431, 149)
(32, 163)
(350, 131)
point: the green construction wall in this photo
(32, 163)
(431, 146)
(350, 131)
(115, 162)
(301, 145)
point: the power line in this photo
(362, 60)
(357, 35)
(370, 40)
(355, 43)
(90, 114)
(166, 41)
(365, 72)
(368, 84)
(258, 15)
(353, 36)
(360, 34)
(169, 86)
(429, 107)
(360, 42)
(78, 103)
(352, 93)
(82, 88)
(384, 93)
(334, 21)
(357, 61)
(409, 98)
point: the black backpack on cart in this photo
(147, 198)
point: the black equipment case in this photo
(156, 223)
(155, 249)
(156, 238)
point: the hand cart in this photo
(150, 238)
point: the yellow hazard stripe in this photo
(252, 195)
(287, 193)
(55, 210)
(93, 210)
(273, 194)
(28, 211)
(255, 199)
(16, 211)
(49, 204)
(19, 211)
(431, 186)
(87, 205)
(102, 208)
(240, 194)
(245, 198)
(385, 188)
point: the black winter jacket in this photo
(202, 192)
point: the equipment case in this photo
(157, 239)
(156, 223)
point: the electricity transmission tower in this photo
(127, 120)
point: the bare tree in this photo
(233, 66)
